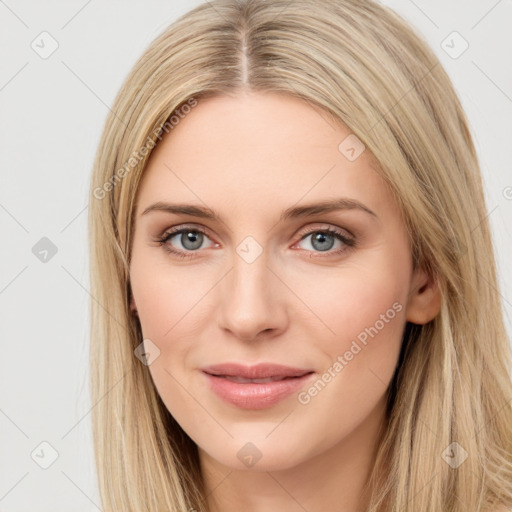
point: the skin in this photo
(250, 157)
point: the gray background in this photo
(52, 113)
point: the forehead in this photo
(253, 150)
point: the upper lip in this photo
(258, 371)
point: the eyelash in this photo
(349, 243)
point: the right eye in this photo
(190, 238)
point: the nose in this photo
(253, 300)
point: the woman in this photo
(295, 302)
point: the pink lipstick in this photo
(255, 387)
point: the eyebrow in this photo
(293, 212)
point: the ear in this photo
(424, 298)
(133, 306)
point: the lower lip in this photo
(252, 395)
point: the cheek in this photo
(165, 297)
(354, 297)
(367, 317)
(173, 305)
(166, 303)
(361, 301)
(362, 311)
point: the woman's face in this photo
(263, 282)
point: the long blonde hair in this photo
(363, 65)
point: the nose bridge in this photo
(250, 302)
(249, 282)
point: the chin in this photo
(256, 456)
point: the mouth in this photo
(252, 391)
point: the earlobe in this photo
(424, 299)
(133, 306)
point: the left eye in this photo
(322, 240)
